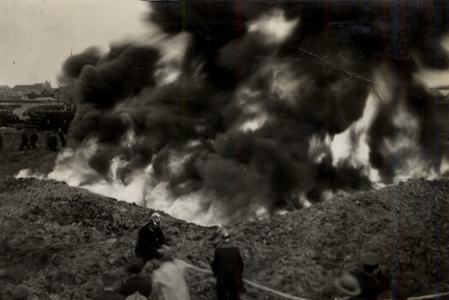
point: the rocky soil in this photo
(56, 240)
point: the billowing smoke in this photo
(234, 110)
(72, 67)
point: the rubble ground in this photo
(56, 240)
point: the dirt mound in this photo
(57, 240)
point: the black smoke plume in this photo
(73, 66)
(258, 81)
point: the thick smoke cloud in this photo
(120, 74)
(242, 116)
(73, 66)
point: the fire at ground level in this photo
(339, 161)
(248, 174)
(58, 239)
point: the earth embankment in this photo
(57, 240)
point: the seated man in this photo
(150, 239)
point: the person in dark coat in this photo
(227, 266)
(64, 127)
(150, 239)
(372, 281)
(47, 124)
(33, 140)
(52, 142)
(136, 281)
(4, 276)
(109, 280)
(62, 138)
(24, 143)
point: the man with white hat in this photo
(150, 239)
(348, 286)
(372, 281)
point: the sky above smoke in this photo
(37, 35)
(28, 52)
(228, 111)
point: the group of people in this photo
(167, 282)
(24, 140)
(52, 140)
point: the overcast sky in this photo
(36, 36)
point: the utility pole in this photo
(65, 103)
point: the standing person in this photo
(372, 280)
(61, 137)
(1, 142)
(48, 124)
(150, 239)
(136, 281)
(52, 142)
(64, 127)
(4, 276)
(33, 140)
(24, 143)
(109, 280)
(227, 266)
(168, 280)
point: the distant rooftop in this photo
(38, 87)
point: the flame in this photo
(351, 145)
(274, 26)
(201, 207)
(444, 169)
(254, 124)
(28, 173)
(190, 207)
(142, 189)
(319, 148)
(72, 167)
(409, 157)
